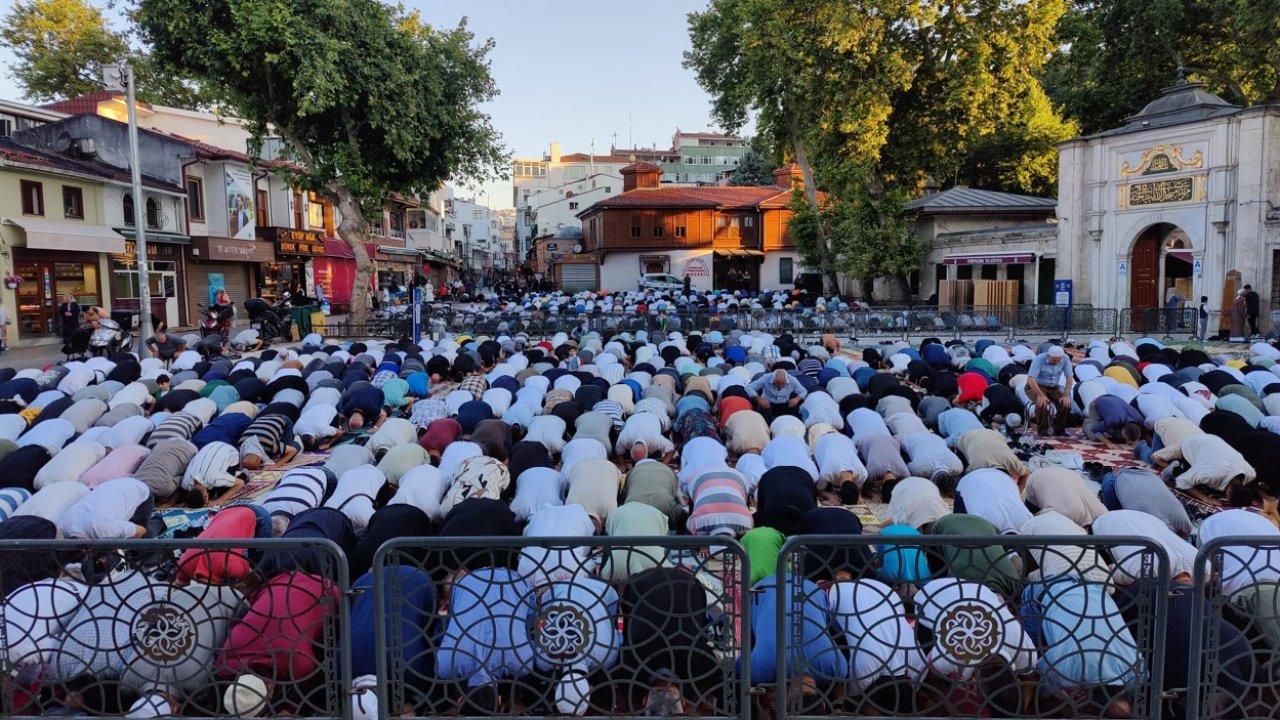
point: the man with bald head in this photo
(777, 393)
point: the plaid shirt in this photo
(474, 384)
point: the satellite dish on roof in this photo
(577, 247)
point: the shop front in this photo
(293, 268)
(59, 258)
(223, 263)
(396, 268)
(165, 270)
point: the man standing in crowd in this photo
(1252, 305)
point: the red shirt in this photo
(217, 567)
(972, 385)
(277, 638)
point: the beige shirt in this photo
(984, 448)
(1063, 491)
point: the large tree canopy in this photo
(874, 97)
(1116, 55)
(370, 100)
(62, 45)
(752, 169)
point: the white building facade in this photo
(1186, 194)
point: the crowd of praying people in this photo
(732, 437)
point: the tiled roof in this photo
(962, 200)
(724, 197)
(12, 152)
(642, 166)
(205, 151)
(84, 104)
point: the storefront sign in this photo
(231, 250)
(289, 241)
(240, 215)
(696, 267)
(160, 251)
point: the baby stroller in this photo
(77, 348)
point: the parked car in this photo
(662, 281)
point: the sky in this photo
(571, 71)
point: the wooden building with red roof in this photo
(724, 237)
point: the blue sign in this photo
(1062, 293)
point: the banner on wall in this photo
(240, 215)
(696, 267)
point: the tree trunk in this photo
(893, 290)
(354, 230)
(826, 264)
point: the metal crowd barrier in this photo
(91, 627)
(562, 627)
(1162, 322)
(866, 626)
(949, 627)
(1235, 643)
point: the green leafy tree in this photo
(752, 170)
(882, 94)
(369, 100)
(61, 46)
(1115, 56)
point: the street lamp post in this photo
(139, 217)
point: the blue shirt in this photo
(1114, 413)
(1085, 637)
(763, 387)
(487, 637)
(1048, 374)
(366, 400)
(955, 422)
(224, 428)
(413, 596)
(822, 660)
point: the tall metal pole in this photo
(139, 219)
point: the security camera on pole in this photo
(115, 77)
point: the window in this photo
(990, 272)
(657, 229)
(32, 198)
(680, 229)
(72, 203)
(153, 214)
(6, 127)
(573, 206)
(195, 199)
(786, 271)
(706, 161)
(964, 272)
(297, 211)
(608, 188)
(635, 226)
(396, 223)
(316, 215)
(748, 221)
(261, 209)
(126, 206)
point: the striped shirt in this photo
(720, 504)
(300, 489)
(178, 426)
(213, 467)
(273, 431)
(10, 500)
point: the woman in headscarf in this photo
(1238, 317)
(824, 562)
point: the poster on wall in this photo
(239, 203)
(217, 283)
(696, 267)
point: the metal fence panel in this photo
(949, 627)
(561, 627)
(185, 627)
(1161, 322)
(1235, 648)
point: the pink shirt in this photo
(277, 638)
(121, 462)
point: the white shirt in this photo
(1134, 523)
(929, 453)
(873, 621)
(835, 454)
(903, 424)
(129, 431)
(35, 616)
(106, 512)
(1242, 567)
(132, 394)
(965, 615)
(789, 450)
(1213, 463)
(548, 430)
(392, 432)
(993, 495)
(50, 434)
(646, 428)
(1156, 407)
(542, 565)
(453, 456)
(70, 463)
(422, 487)
(865, 422)
(579, 449)
(53, 500)
(356, 491)
(697, 455)
(12, 425)
(317, 422)
(819, 407)
(536, 488)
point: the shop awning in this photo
(991, 258)
(1183, 255)
(337, 247)
(739, 253)
(157, 236)
(403, 252)
(62, 235)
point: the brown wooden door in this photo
(1144, 269)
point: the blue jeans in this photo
(1144, 452)
(262, 520)
(1109, 496)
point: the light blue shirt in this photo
(1049, 374)
(1085, 637)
